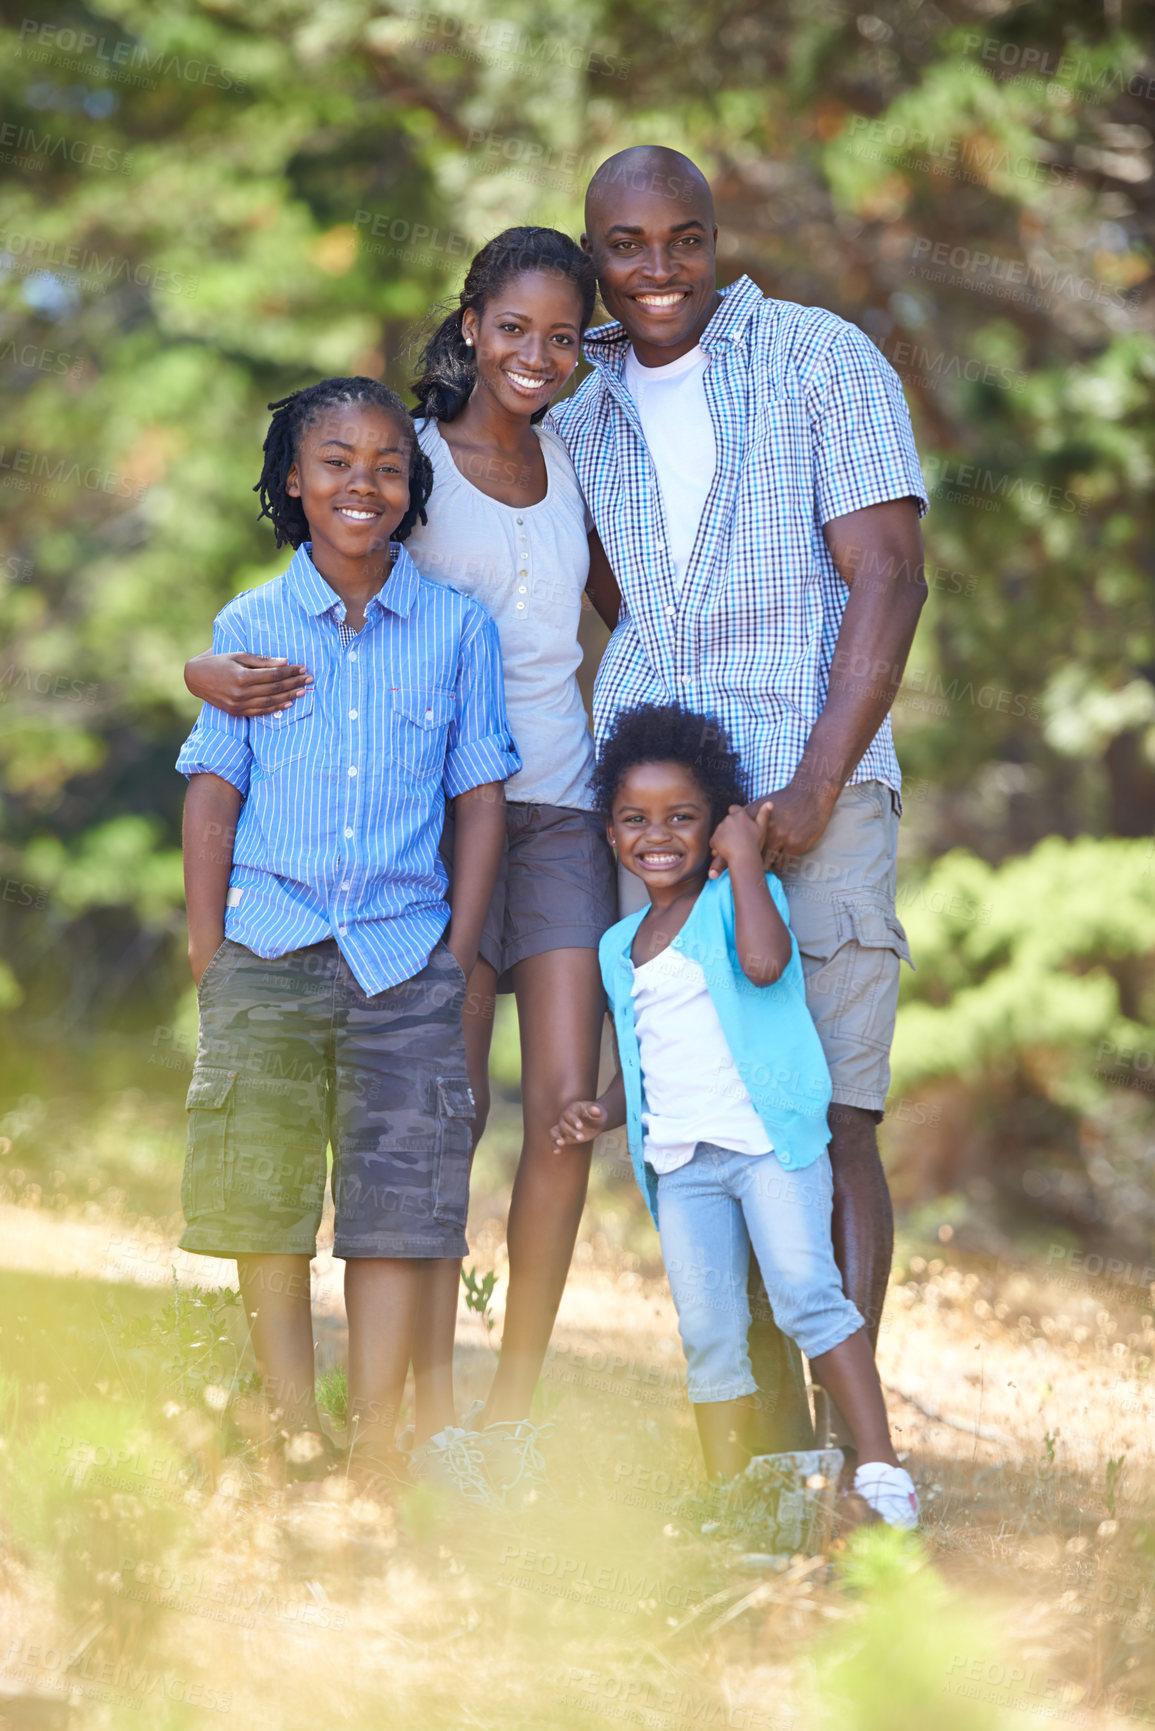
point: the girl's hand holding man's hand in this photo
(740, 837)
(581, 1121)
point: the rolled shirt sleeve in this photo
(480, 747)
(219, 743)
(864, 452)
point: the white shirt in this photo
(675, 417)
(693, 1091)
(528, 566)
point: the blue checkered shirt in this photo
(345, 790)
(810, 423)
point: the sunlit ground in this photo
(155, 1574)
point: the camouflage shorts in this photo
(293, 1055)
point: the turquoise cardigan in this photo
(768, 1029)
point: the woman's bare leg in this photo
(441, 1281)
(560, 1007)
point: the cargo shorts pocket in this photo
(868, 921)
(204, 1186)
(453, 1157)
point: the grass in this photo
(153, 1572)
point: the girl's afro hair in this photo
(667, 733)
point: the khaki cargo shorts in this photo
(841, 897)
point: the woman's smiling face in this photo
(527, 339)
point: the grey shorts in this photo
(292, 1055)
(555, 890)
(841, 897)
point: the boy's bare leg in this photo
(724, 1431)
(381, 1301)
(436, 1323)
(276, 1295)
(560, 1010)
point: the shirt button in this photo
(345, 886)
(521, 520)
(352, 715)
(352, 769)
(348, 832)
(352, 655)
(521, 591)
(521, 606)
(671, 611)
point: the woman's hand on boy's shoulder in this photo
(740, 838)
(243, 684)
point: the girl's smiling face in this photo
(527, 339)
(661, 825)
(351, 475)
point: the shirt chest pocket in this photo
(418, 730)
(279, 739)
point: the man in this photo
(750, 469)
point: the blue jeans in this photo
(710, 1211)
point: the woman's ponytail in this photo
(448, 371)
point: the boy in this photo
(330, 992)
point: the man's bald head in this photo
(647, 168)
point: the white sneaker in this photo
(513, 1460)
(890, 1492)
(454, 1461)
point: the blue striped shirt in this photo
(809, 424)
(345, 790)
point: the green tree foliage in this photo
(207, 205)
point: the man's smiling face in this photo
(651, 237)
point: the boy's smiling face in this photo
(351, 475)
(661, 825)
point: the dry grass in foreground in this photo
(153, 1575)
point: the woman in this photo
(506, 524)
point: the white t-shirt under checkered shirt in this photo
(810, 424)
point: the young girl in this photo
(725, 1089)
(508, 526)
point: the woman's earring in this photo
(469, 342)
